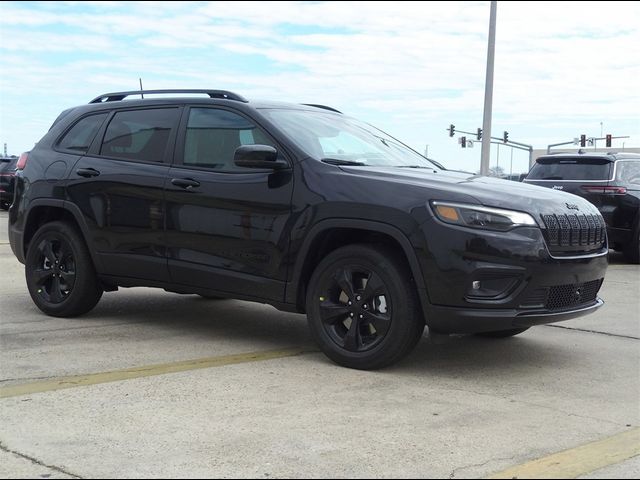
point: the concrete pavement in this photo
(466, 407)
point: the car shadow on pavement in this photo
(191, 315)
(153, 314)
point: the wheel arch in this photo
(48, 210)
(330, 234)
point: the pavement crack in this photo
(594, 331)
(35, 461)
(455, 471)
(27, 379)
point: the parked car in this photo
(7, 178)
(609, 181)
(300, 207)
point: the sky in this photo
(562, 69)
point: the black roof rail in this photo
(117, 96)
(324, 107)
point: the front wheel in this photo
(362, 307)
(60, 275)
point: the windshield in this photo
(345, 141)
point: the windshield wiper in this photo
(337, 161)
(417, 166)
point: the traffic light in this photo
(479, 136)
(608, 137)
(505, 137)
(583, 140)
(452, 130)
(463, 142)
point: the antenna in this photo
(141, 91)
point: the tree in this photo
(496, 171)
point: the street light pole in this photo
(488, 92)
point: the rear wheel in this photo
(362, 307)
(632, 250)
(60, 274)
(503, 333)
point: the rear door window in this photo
(141, 135)
(571, 169)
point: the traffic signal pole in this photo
(488, 92)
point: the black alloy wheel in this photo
(59, 272)
(356, 310)
(55, 274)
(362, 307)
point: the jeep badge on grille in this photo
(572, 206)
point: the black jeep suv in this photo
(610, 181)
(300, 207)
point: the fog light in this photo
(492, 287)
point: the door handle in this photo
(186, 183)
(87, 172)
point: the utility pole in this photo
(488, 92)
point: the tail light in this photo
(22, 161)
(605, 189)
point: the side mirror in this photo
(258, 156)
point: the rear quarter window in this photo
(80, 136)
(570, 169)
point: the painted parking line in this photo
(580, 460)
(145, 371)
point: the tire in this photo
(69, 287)
(503, 333)
(4, 205)
(384, 306)
(211, 297)
(632, 250)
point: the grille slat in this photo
(584, 230)
(592, 229)
(570, 233)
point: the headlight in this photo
(477, 216)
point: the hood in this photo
(487, 191)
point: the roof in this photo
(179, 95)
(612, 156)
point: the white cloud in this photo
(414, 67)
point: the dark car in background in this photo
(300, 207)
(609, 181)
(7, 180)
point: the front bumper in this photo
(457, 320)
(481, 281)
